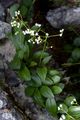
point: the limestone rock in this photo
(64, 16)
(7, 111)
(5, 28)
(2, 13)
(7, 50)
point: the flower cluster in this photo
(61, 32)
(60, 107)
(28, 31)
(15, 24)
(73, 101)
(37, 24)
(17, 13)
(63, 117)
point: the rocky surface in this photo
(7, 50)
(2, 13)
(7, 111)
(64, 16)
(7, 3)
(5, 28)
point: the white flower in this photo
(38, 25)
(60, 35)
(36, 34)
(1, 103)
(18, 25)
(17, 13)
(51, 46)
(32, 33)
(24, 32)
(58, 108)
(60, 119)
(63, 117)
(62, 30)
(60, 105)
(47, 34)
(74, 100)
(13, 23)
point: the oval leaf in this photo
(51, 106)
(68, 100)
(54, 72)
(56, 79)
(29, 91)
(37, 79)
(46, 60)
(42, 72)
(46, 92)
(24, 73)
(48, 81)
(56, 89)
(40, 54)
(38, 98)
(74, 111)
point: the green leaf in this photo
(46, 60)
(77, 42)
(24, 73)
(18, 40)
(15, 63)
(56, 79)
(74, 111)
(24, 52)
(54, 72)
(61, 85)
(37, 79)
(23, 10)
(38, 98)
(29, 91)
(40, 54)
(48, 81)
(28, 3)
(42, 72)
(76, 54)
(51, 106)
(56, 89)
(13, 8)
(68, 100)
(46, 92)
(33, 63)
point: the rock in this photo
(64, 16)
(2, 13)
(33, 111)
(7, 50)
(7, 111)
(5, 28)
(7, 3)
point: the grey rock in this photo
(5, 28)
(7, 3)
(2, 13)
(7, 50)
(7, 110)
(33, 111)
(64, 16)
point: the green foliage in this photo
(51, 106)
(69, 109)
(42, 82)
